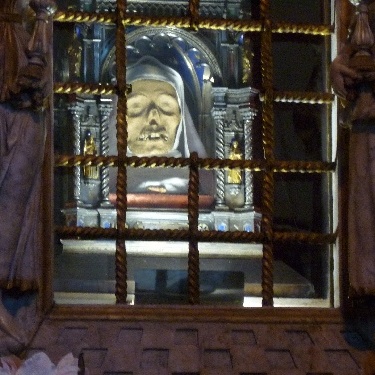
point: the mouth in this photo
(152, 135)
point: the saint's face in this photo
(153, 117)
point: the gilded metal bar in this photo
(302, 97)
(199, 22)
(305, 237)
(193, 214)
(298, 28)
(194, 14)
(122, 137)
(268, 147)
(201, 236)
(157, 234)
(107, 89)
(85, 88)
(76, 16)
(279, 166)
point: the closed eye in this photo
(137, 105)
(168, 105)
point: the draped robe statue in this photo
(353, 78)
(23, 92)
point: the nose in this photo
(153, 116)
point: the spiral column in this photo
(105, 109)
(220, 154)
(248, 154)
(76, 111)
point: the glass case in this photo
(192, 91)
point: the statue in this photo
(235, 174)
(89, 148)
(353, 79)
(23, 92)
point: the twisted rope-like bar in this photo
(83, 88)
(122, 136)
(180, 22)
(298, 28)
(87, 88)
(268, 146)
(193, 214)
(267, 229)
(278, 166)
(76, 16)
(157, 234)
(194, 14)
(108, 89)
(281, 166)
(302, 97)
(201, 236)
(186, 22)
(310, 238)
(201, 23)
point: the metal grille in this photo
(267, 167)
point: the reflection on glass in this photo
(300, 203)
(297, 11)
(160, 286)
(303, 51)
(306, 266)
(298, 131)
(301, 272)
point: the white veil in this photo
(174, 181)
